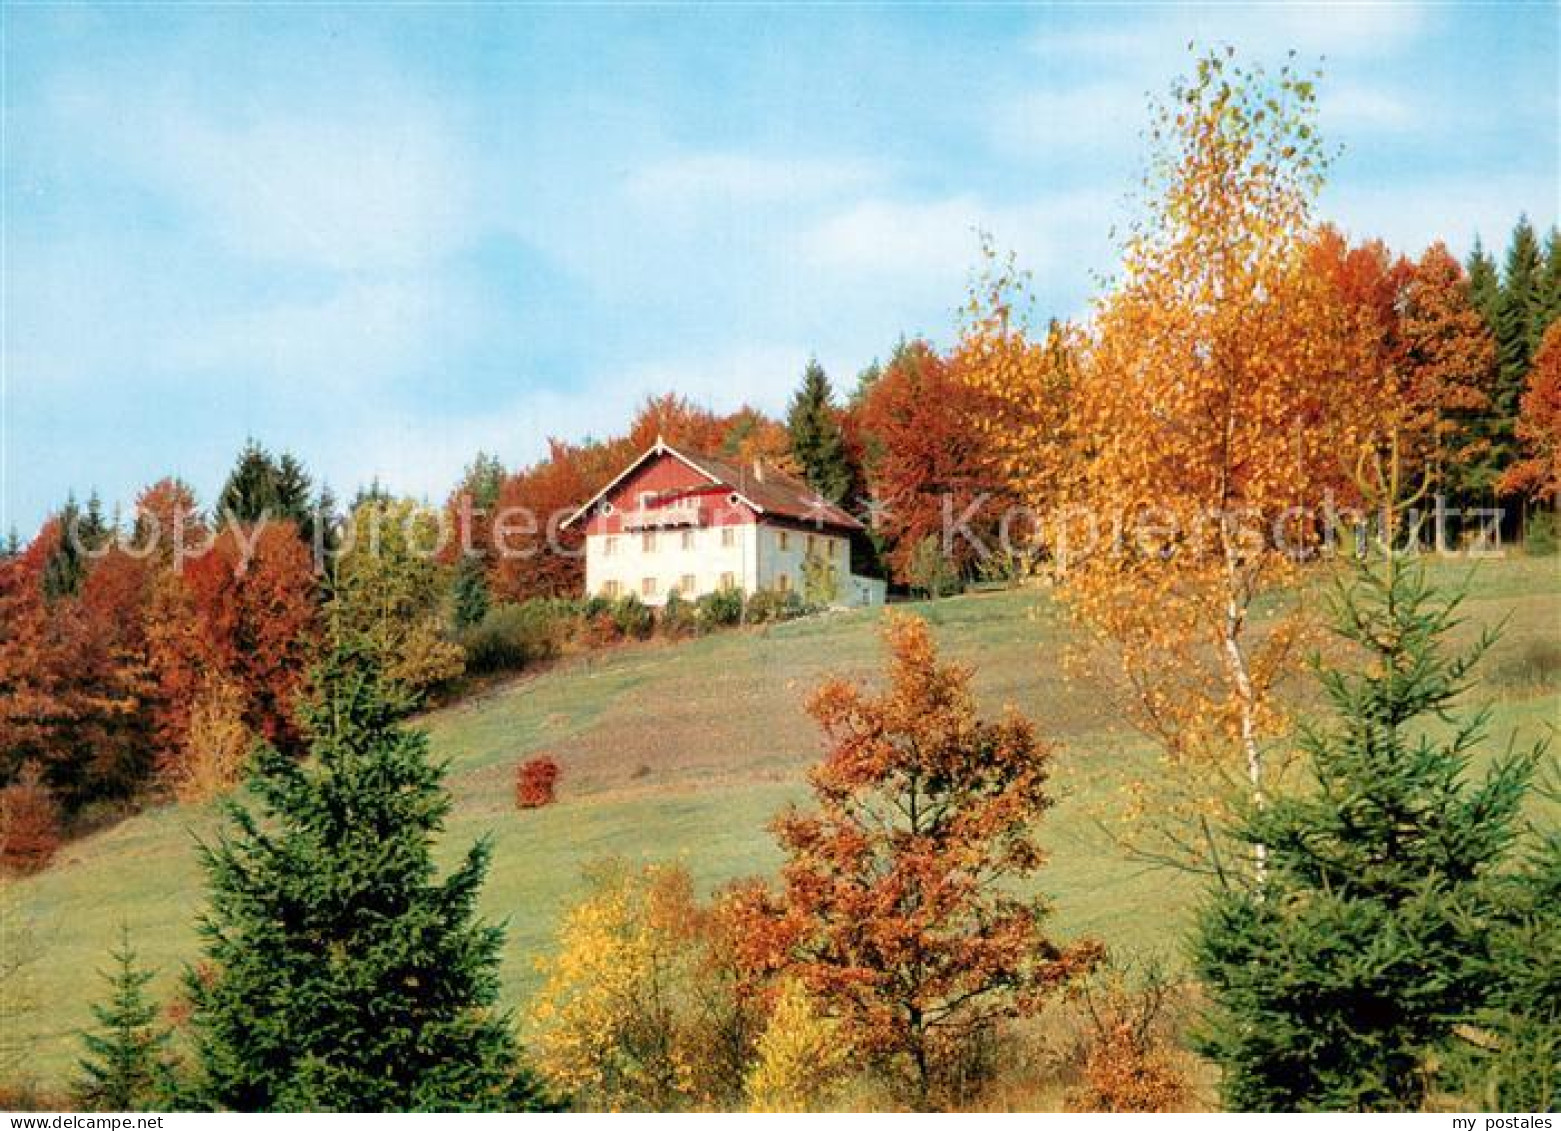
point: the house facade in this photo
(675, 522)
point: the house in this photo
(673, 522)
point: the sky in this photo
(385, 237)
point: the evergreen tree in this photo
(1517, 312)
(1484, 284)
(262, 486)
(292, 491)
(250, 491)
(1548, 307)
(816, 439)
(470, 592)
(127, 1065)
(1336, 981)
(344, 974)
(13, 545)
(66, 566)
(482, 479)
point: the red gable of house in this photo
(666, 488)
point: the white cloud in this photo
(368, 180)
(364, 332)
(1409, 214)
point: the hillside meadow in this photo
(683, 752)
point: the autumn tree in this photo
(1221, 389)
(1538, 474)
(1450, 361)
(929, 465)
(903, 887)
(1029, 386)
(531, 552)
(635, 1012)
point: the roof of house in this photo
(768, 491)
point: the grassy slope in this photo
(683, 752)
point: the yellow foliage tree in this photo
(1219, 392)
(801, 1056)
(216, 747)
(611, 1016)
(1029, 388)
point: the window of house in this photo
(611, 589)
(688, 539)
(647, 500)
(728, 537)
(783, 583)
(783, 540)
(686, 585)
(609, 546)
(728, 581)
(648, 587)
(648, 542)
(812, 546)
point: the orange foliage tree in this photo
(1450, 359)
(1538, 475)
(898, 898)
(1221, 389)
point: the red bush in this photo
(534, 783)
(29, 824)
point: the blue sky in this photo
(385, 237)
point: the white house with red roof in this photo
(673, 522)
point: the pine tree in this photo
(1517, 311)
(343, 973)
(250, 491)
(292, 491)
(127, 1065)
(470, 594)
(1336, 981)
(66, 566)
(1548, 307)
(1484, 283)
(816, 439)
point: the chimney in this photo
(758, 470)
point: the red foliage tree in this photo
(1538, 475)
(29, 824)
(899, 902)
(929, 461)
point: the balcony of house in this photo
(672, 514)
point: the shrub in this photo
(719, 609)
(1129, 1060)
(801, 1056)
(930, 572)
(769, 606)
(679, 617)
(1534, 666)
(29, 823)
(535, 782)
(216, 748)
(631, 617)
(512, 636)
(1539, 536)
(820, 581)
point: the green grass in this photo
(684, 752)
